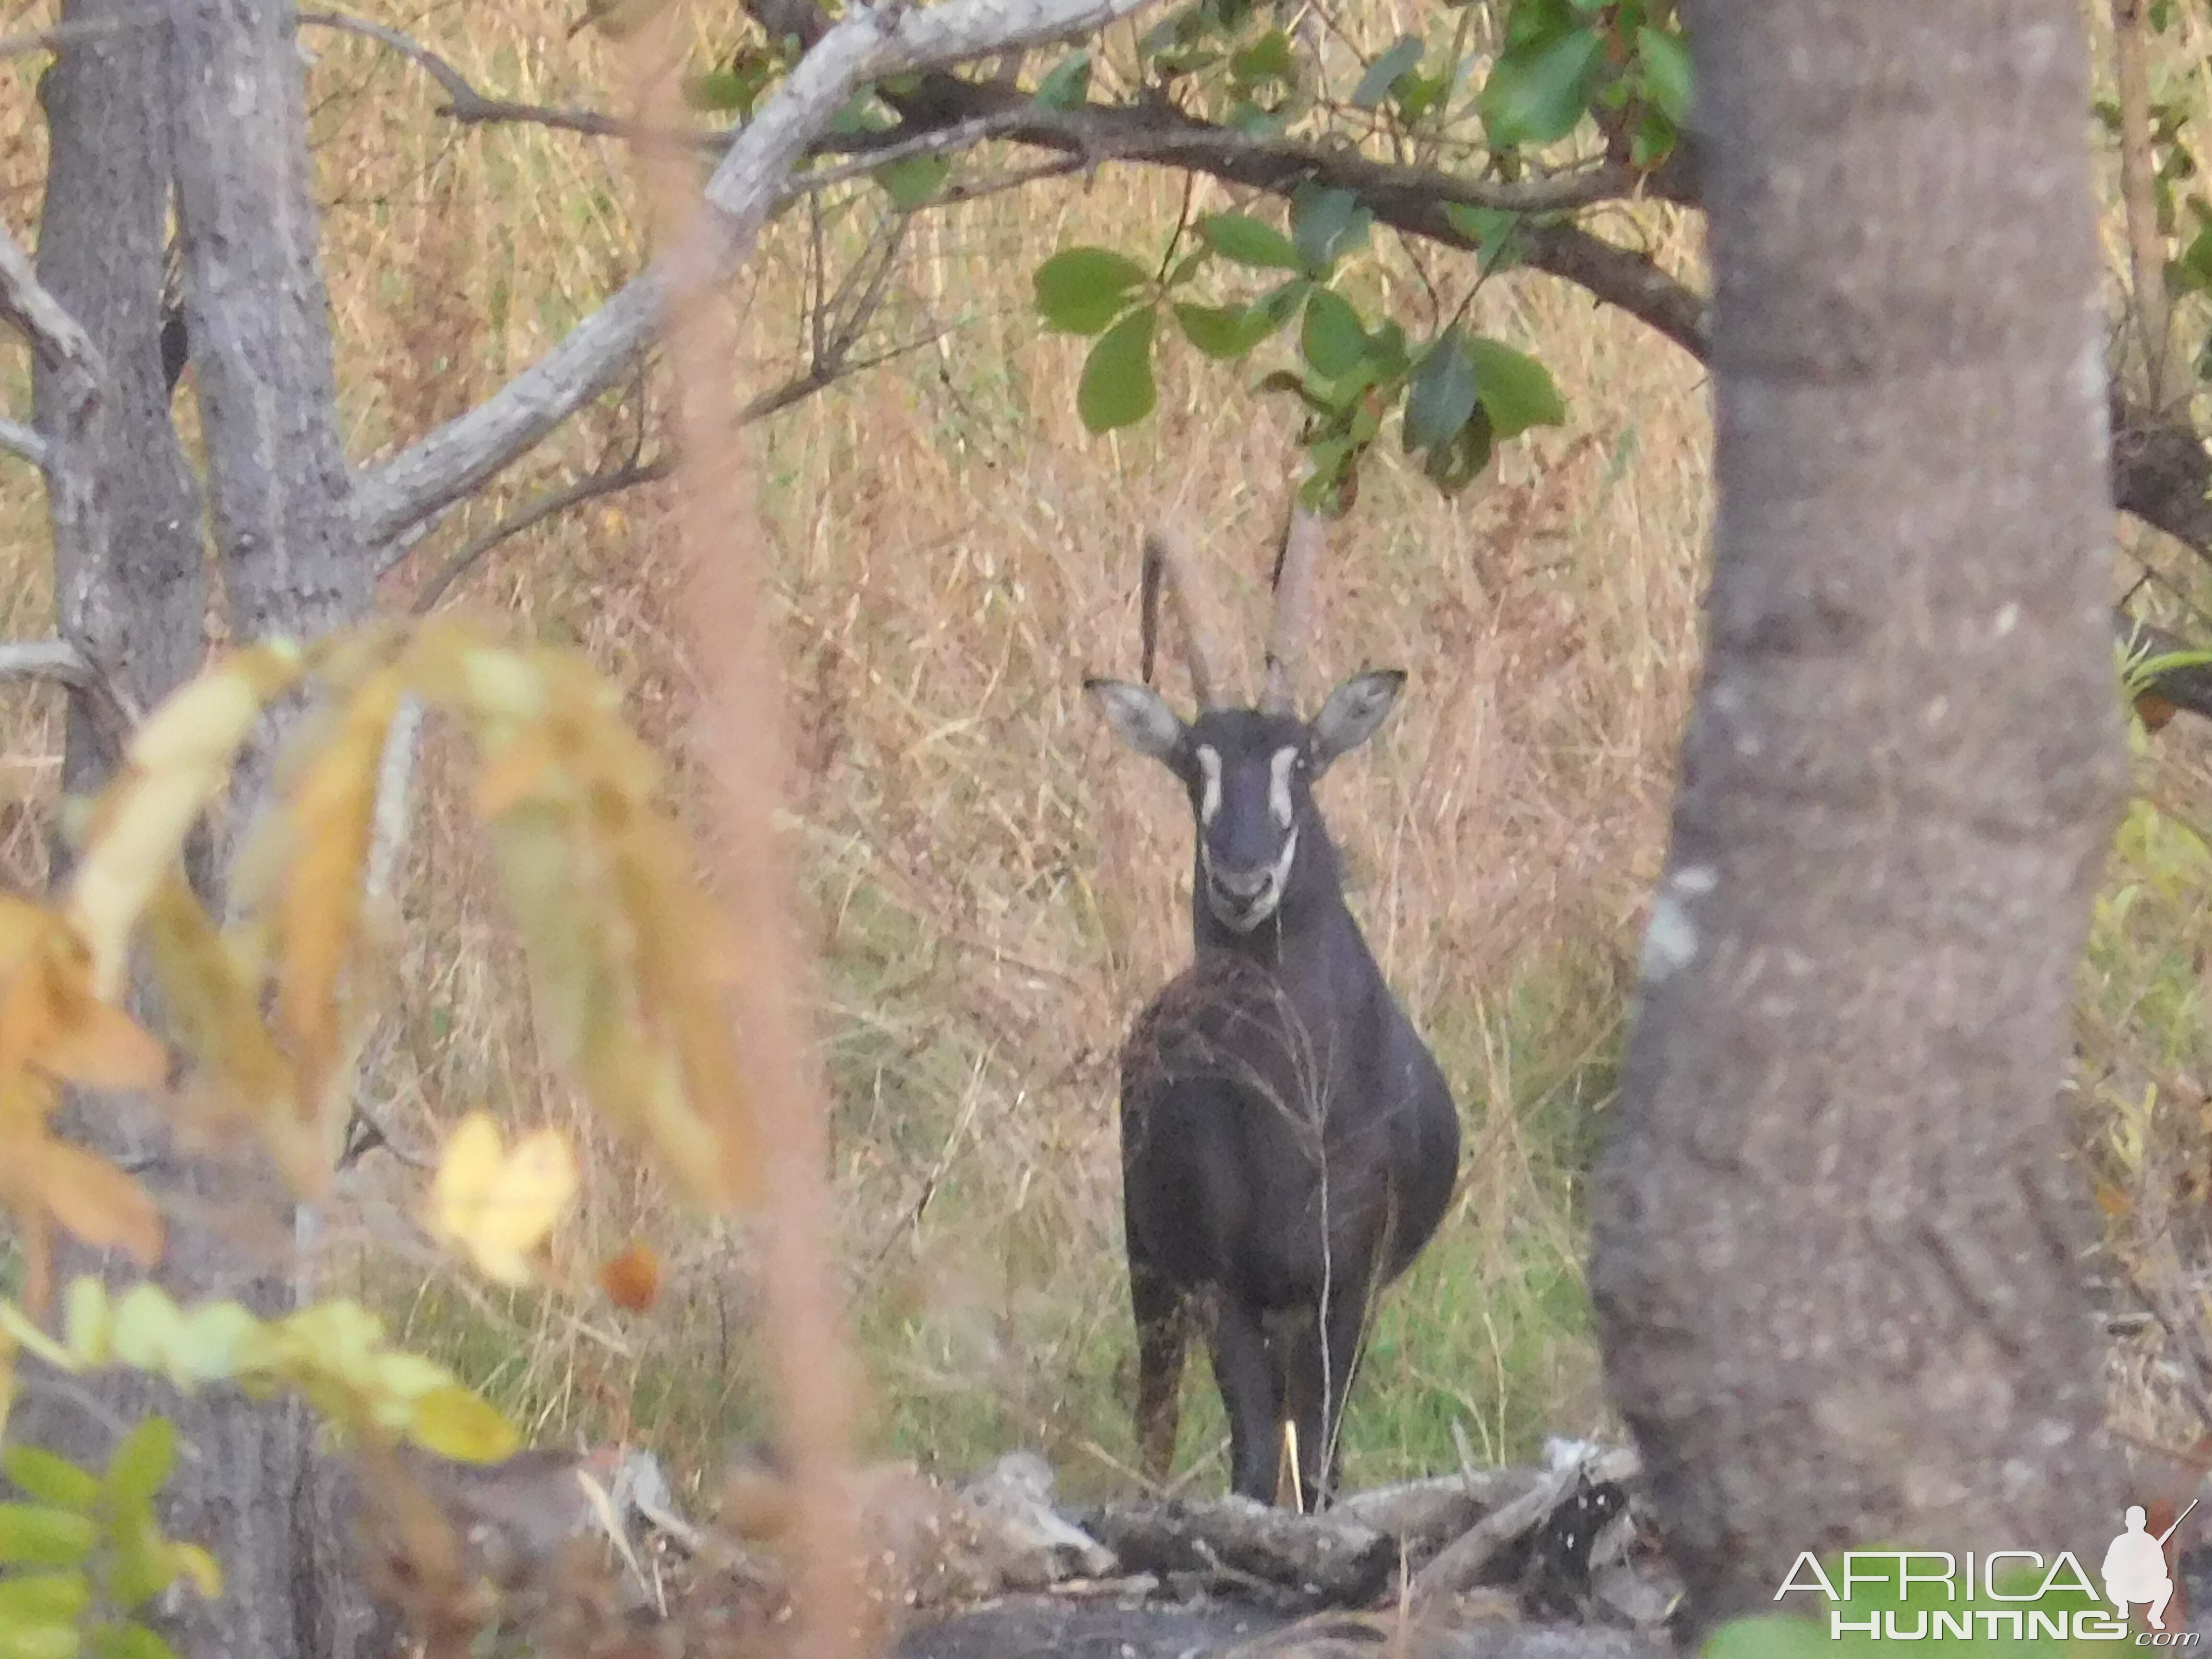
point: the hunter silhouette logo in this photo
(1997, 1595)
(2135, 1567)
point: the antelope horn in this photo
(1293, 583)
(1167, 552)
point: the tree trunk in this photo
(130, 575)
(214, 103)
(1836, 1264)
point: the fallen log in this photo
(1332, 1558)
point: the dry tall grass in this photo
(993, 887)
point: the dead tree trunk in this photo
(1836, 1259)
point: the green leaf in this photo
(1417, 94)
(1267, 58)
(1333, 339)
(2192, 272)
(453, 1422)
(1534, 23)
(1325, 224)
(1652, 141)
(1386, 71)
(1491, 230)
(1282, 302)
(130, 1642)
(1068, 84)
(33, 1536)
(1224, 331)
(1240, 237)
(1537, 98)
(1082, 289)
(914, 182)
(39, 1642)
(1666, 63)
(48, 1478)
(1117, 389)
(138, 1564)
(1458, 461)
(1386, 350)
(716, 91)
(1516, 389)
(1442, 394)
(44, 1598)
(141, 1461)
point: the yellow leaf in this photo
(18, 1326)
(197, 1568)
(180, 759)
(503, 684)
(212, 1006)
(453, 1422)
(101, 1046)
(514, 772)
(202, 723)
(98, 1202)
(498, 1205)
(23, 924)
(550, 902)
(89, 1320)
(333, 811)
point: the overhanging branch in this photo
(471, 107)
(868, 44)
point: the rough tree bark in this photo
(1836, 1255)
(130, 576)
(210, 106)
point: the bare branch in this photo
(57, 336)
(833, 360)
(45, 660)
(1303, 539)
(550, 505)
(23, 442)
(112, 713)
(471, 107)
(868, 44)
(76, 32)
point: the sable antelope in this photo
(1288, 1141)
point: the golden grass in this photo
(993, 888)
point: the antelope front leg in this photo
(1319, 1381)
(1252, 1393)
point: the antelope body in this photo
(1289, 1143)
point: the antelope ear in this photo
(1354, 713)
(1139, 716)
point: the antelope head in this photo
(1249, 772)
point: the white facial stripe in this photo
(1283, 865)
(1209, 766)
(1279, 788)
